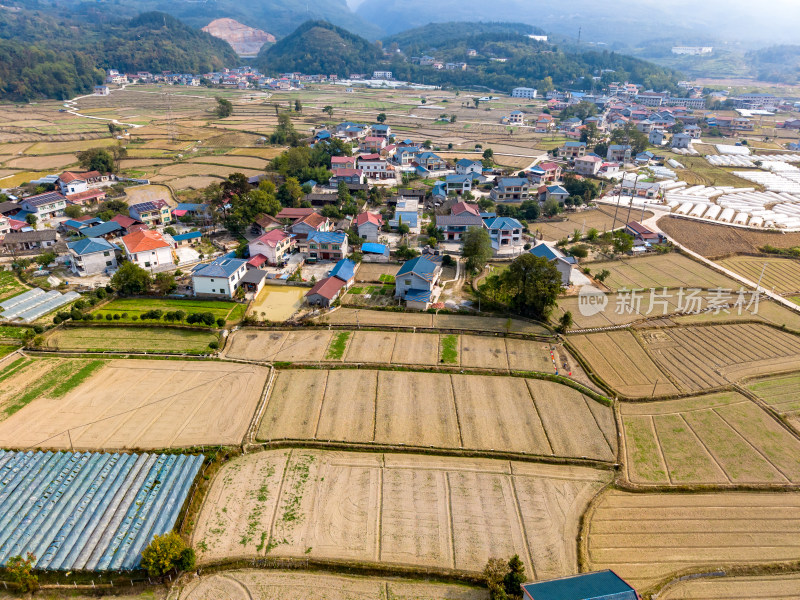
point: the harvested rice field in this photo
(618, 359)
(474, 412)
(780, 275)
(767, 587)
(646, 538)
(660, 271)
(282, 585)
(388, 347)
(782, 393)
(601, 219)
(132, 339)
(396, 509)
(132, 404)
(718, 439)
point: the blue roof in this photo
(419, 266)
(459, 178)
(418, 295)
(79, 224)
(191, 206)
(192, 235)
(465, 162)
(439, 189)
(345, 270)
(380, 127)
(373, 248)
(574, 144)
(503, 223)
(222, 267)
(410, 218)
(556, 189)
(429, 155)
(323, 135)
(327, 237)
(91, 245)
(513, 181)
(586, 586)
(102, 229)
(545, 251)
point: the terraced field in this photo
(768, 587)
(445, 411)
(716, 439)
(396, 509)
(782, 393)
(132, 339)
(781, 275)
(661, 271)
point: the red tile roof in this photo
(462, 207)
(314, 220)
(257, 260)
(367, 217)
(87, 195)
(273, 238)
(69, 176)
(142, 241)
(124, 221)
(294, 213)
(327, 288)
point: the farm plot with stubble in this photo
(767, 587)
(661, 271)
(781, 275)
(396, 509)
(472, 412)
(698, 358)
(132, 339)
(782, 393)
(618, 359)
(646, 538)
(137, 404)
(716, 439)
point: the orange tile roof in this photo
(143, 241)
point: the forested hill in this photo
(415, 41)
(319, 47)
(42, 56)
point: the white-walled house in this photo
(91, 256)
(45, 206)
(274, 245)
(220, 278)
(149, 249)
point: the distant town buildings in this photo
(692, 50)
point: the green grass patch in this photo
(77, 378)
(6, 349)
(386, 278)
(133, 339)
(13, 333)
(10, 286)
(57, 382)
(338, 345)
(230, 311)
(15, 366)
(357, 291)
(450, 349)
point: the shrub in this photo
(109, 317)
(57, 320)
(65, 315)
(207, 318)
(76, 314)
(220, 322)
(135, 318)
(166, 553)
(116, 316)
(21, 572)
(38, 329)
(98, 317)
(213, 345)
(80, 304)
(124, 315)
(100, 293)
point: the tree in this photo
(224, 108)
(623, 242)
(494, 573)
(166, 553)
(290, 193)
(21, 572)
(131, 279)
(31, 219)
(96, 159)
(45, 258)
(630, 135)
(551, 208)
(164, 283)
(485, 204)
(488, 154)
(590, 134)
(565, 322)
(477, 248)
(453, 119)
(515, 577)
(285, 133)
(477, 102)
(73, 211)
(382, 118)
(118, 152)
(601, 149)
(298, 106)
(532, 285)
(328, 109)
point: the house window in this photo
(108, 263)
(408, 282)
(147, 264)
(105, 253)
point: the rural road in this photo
(72, 109)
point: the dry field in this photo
(716, 439)
(659, 271)
(388, 347)
(185, 169)
(718, 240)
(279, 585)
(782, 393)
(618, 359)
(377, 318)
(191, 183)
(245, 162)
(132, 339)
(445, 411)
(371, 272)
(767, 311)
(601, 219)
(768, 587)
(57, 161)
(645, 538)
(698, 358)
(396, 509)
(781, 275)
(143, 404)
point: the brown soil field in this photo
(266, 153)
(281, 585)
(371, 272)
(659, 271)
(601, 219)
(618, 359)
(184, 169)
(132, 339)
(396, 509)
(767, 311)
(191, 183)
(57, 161)
(246, 162)
(716, 439)
(781, 275)
(645, 538)
(148, 193)
(72, 146)
(292, 346)
(138, 163)
(143, 404)
(767, 587)
(415, 349)
(446, 411)
(718, 240)
(377, 346)
(483, 352)
(782, 393)
(372, 318)
(698, 358)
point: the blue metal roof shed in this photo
(192, 235)
(419, 266)
(372, 248)
(101, 229)
(602, 585)
(345, 270)
(91, 246)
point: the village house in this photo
(20, 241)
(219, 278)
(642, 233)
(564, 264)
(544, 123)
(375, 167)
(465, 166)
(275, 246)
(313, 222)
(556, 192)
(128, 224)
(682, 140)
(152, 214)
(343, 162)
(601, 585)
(407, 213)
(149, 249)
(369, 226)
(524, 92)
(511, 189)
(346, 176)
(455, 225)
(416, 282)
(572, 150)
(74, 183)
(45, 206)
(588, 166)
(430, 161)
(325, 292)
(381, 130)
(91, 256)
(327, 245)
(458, 184)
(505, 232)
(656, 137)
(371, 144)
(619, 153)
(544, 173)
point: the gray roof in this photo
(222, 267)
(464, 219)
(30, 236)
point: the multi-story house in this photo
(327, 245)
(219, 278)
(511, 189)
(149, 250)
(506, 233)
(152, 214)
(91, 256)
(45, 206)
(275, 246)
